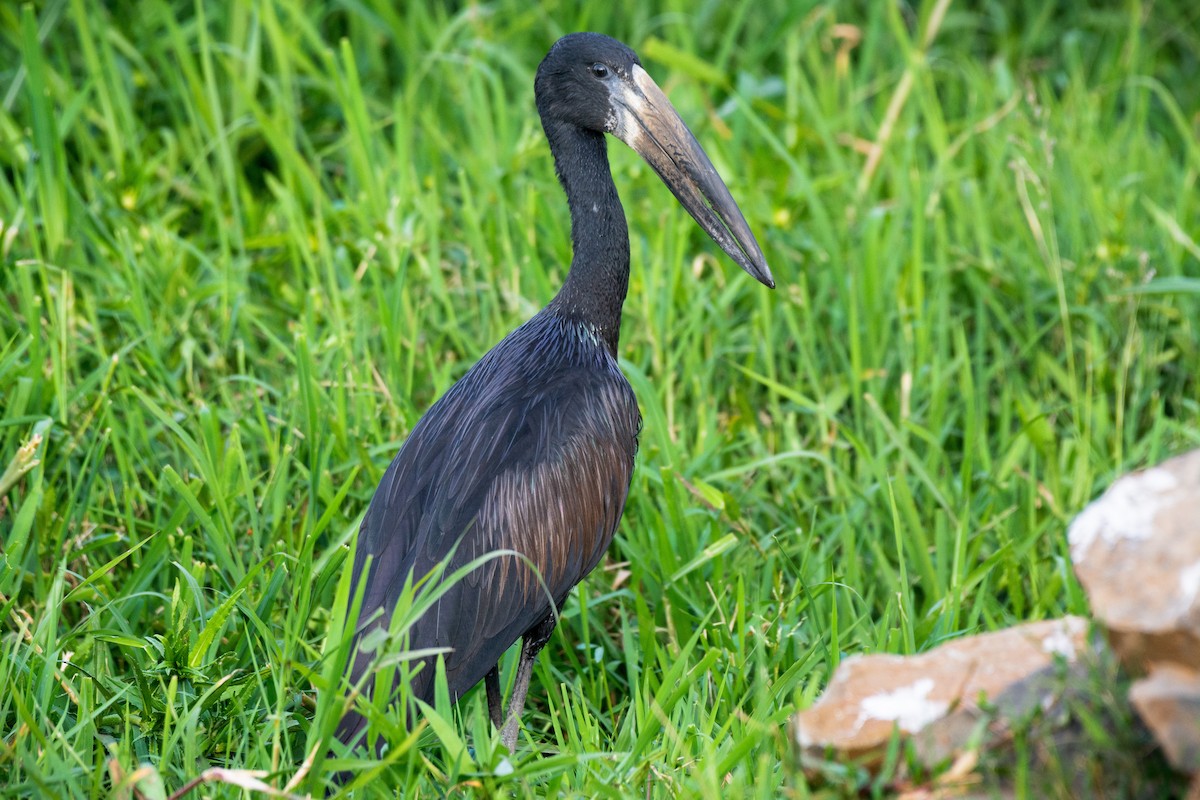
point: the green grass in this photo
(244, 246)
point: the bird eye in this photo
(599, 70)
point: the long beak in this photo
(647, 122)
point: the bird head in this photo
(596, 83)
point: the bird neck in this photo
(595, 288)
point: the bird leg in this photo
(491, 682)
(532, 643)
(516, 703)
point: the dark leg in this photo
(491, 682)
(532, 643)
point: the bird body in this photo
(532, 450)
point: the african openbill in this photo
(532, 450)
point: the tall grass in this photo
(245, 245)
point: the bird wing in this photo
(541, 467)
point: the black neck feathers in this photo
(595, 288)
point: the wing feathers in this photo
(529, 452)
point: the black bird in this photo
(532, 450)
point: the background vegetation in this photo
(244, 246)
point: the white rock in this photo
(1137, 553)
